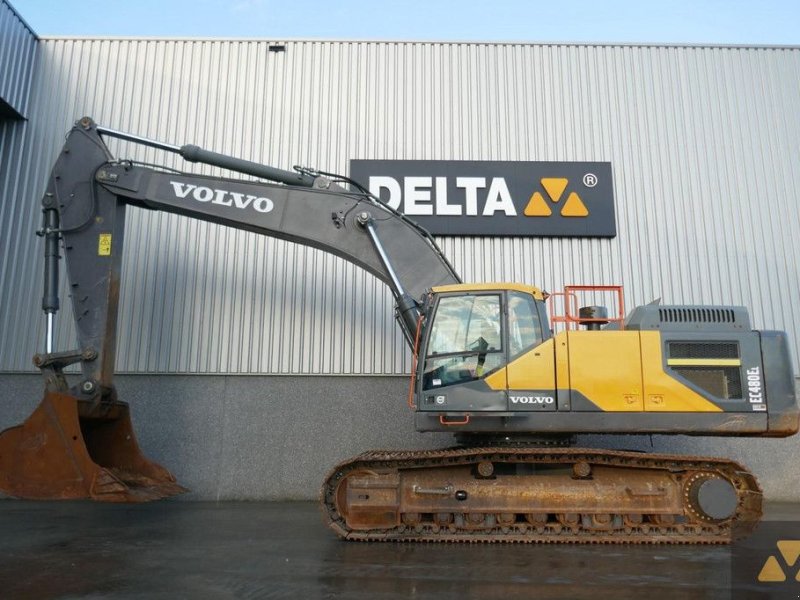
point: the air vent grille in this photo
(696, 315)
(722, 382)
(703, 350)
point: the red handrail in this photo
(570, 298)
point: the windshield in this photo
(465, 342)
(466, 324)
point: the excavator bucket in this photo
(71, 448)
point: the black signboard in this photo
(495, 198)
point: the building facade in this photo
(253, 364)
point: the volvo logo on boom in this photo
(222, 197)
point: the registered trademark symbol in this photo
(590, 180)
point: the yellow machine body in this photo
(490, 362)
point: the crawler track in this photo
(540, 495)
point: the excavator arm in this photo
(79, 442)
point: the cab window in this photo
(465, 341)
(524, 327)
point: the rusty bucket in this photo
(71, 448)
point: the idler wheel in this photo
(711, 498)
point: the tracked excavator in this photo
(488, 368)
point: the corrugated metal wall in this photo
(703, 144)
(17, 53)
(18, 49)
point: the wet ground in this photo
(180, 549)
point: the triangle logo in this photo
(541, 205)
(771, 572)
(537, 207)
(790, 550)
(574, 207)
(554, 186)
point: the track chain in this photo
(695, 529)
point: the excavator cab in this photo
(473, 337)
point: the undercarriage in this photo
(540, 495)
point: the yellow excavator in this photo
(488, 368)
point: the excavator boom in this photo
(90, 191)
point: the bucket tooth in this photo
(70, 448)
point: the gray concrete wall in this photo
(237, 437)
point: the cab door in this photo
(531, 371)
(465, 349)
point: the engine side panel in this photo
(606, 368)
